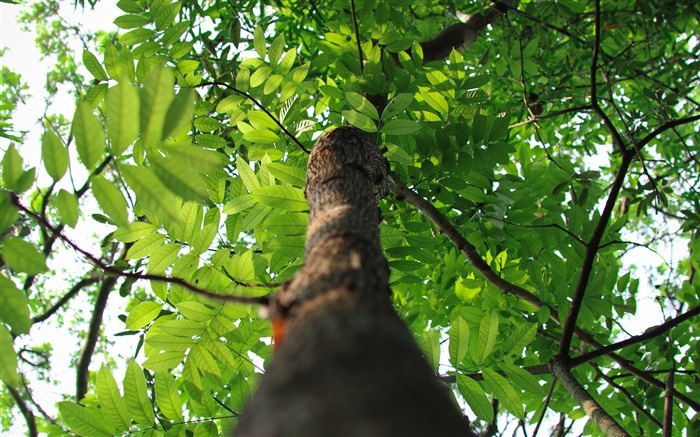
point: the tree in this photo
(524, 168)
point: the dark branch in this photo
(68, 296)
(650, 333)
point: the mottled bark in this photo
(348, 364)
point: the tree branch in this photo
(68, 296)
(668, 406)
(91, 337)
(650, 333)
(605, 422)
(25, 410)
(591, 251)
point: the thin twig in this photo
(547, 399)
(261, 107)
(357, 36)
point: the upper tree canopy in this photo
(545, 195)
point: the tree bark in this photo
(348, 365)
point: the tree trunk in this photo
(348, 365)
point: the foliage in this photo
(187, 150)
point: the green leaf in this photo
(360, 121)
(136, 395)
(8, 211)
(154, 195)
(180, 178)
(247, 174)
(259, 41)
(282, 197)
(431, 348)
(134, 231)
(206, 161)
(142, 314)
(207, 124)
(112, 63)
(23, 257)
(94, 66)
(110, 199)
(475, 397)
(121, 108)
(13, 173)
(239, 204)
(54, 155)
(488, 333)
(145, 246)
(88, 134)
(8, 358)
(504, 392)
(14, 309)
(162, 258)
(261, 136)
(397, 105)
(164, 361)
(167, 396)
(479, 128)
(136, 36)
(111, 403)
(68, 208)
(196, 311)
(459, 340)
(156, 95)
(519, 338)
(259, 76)
(523, 379)
(178, 120)
(203, 239)
(401, 127)
(130, 21)
(286, 173)
(363, 105)
(287, 224)
(83, 421)
(435, 100)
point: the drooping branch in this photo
(605, 422)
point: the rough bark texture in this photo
(348, 364)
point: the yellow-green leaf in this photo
(488, 332)
(54, 155)
(133, 231)
(178, 120)
(503, 391)
(360, 121)
(359, 102)
(111, 200)
(83, 421)
(459, 340)
(94, 66)
(282, 197)
(259, 41)
(168, 396)
(286, 173)
(156, 95)
(142, 314)
(136, 395)
(122, 111)
(8, 358)
(14, 307)
(23, 257)
(145, 246)
(475, 397)
(111, 402)
(180, 178)
(68, 208)
(153, 194)
(89, 135)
